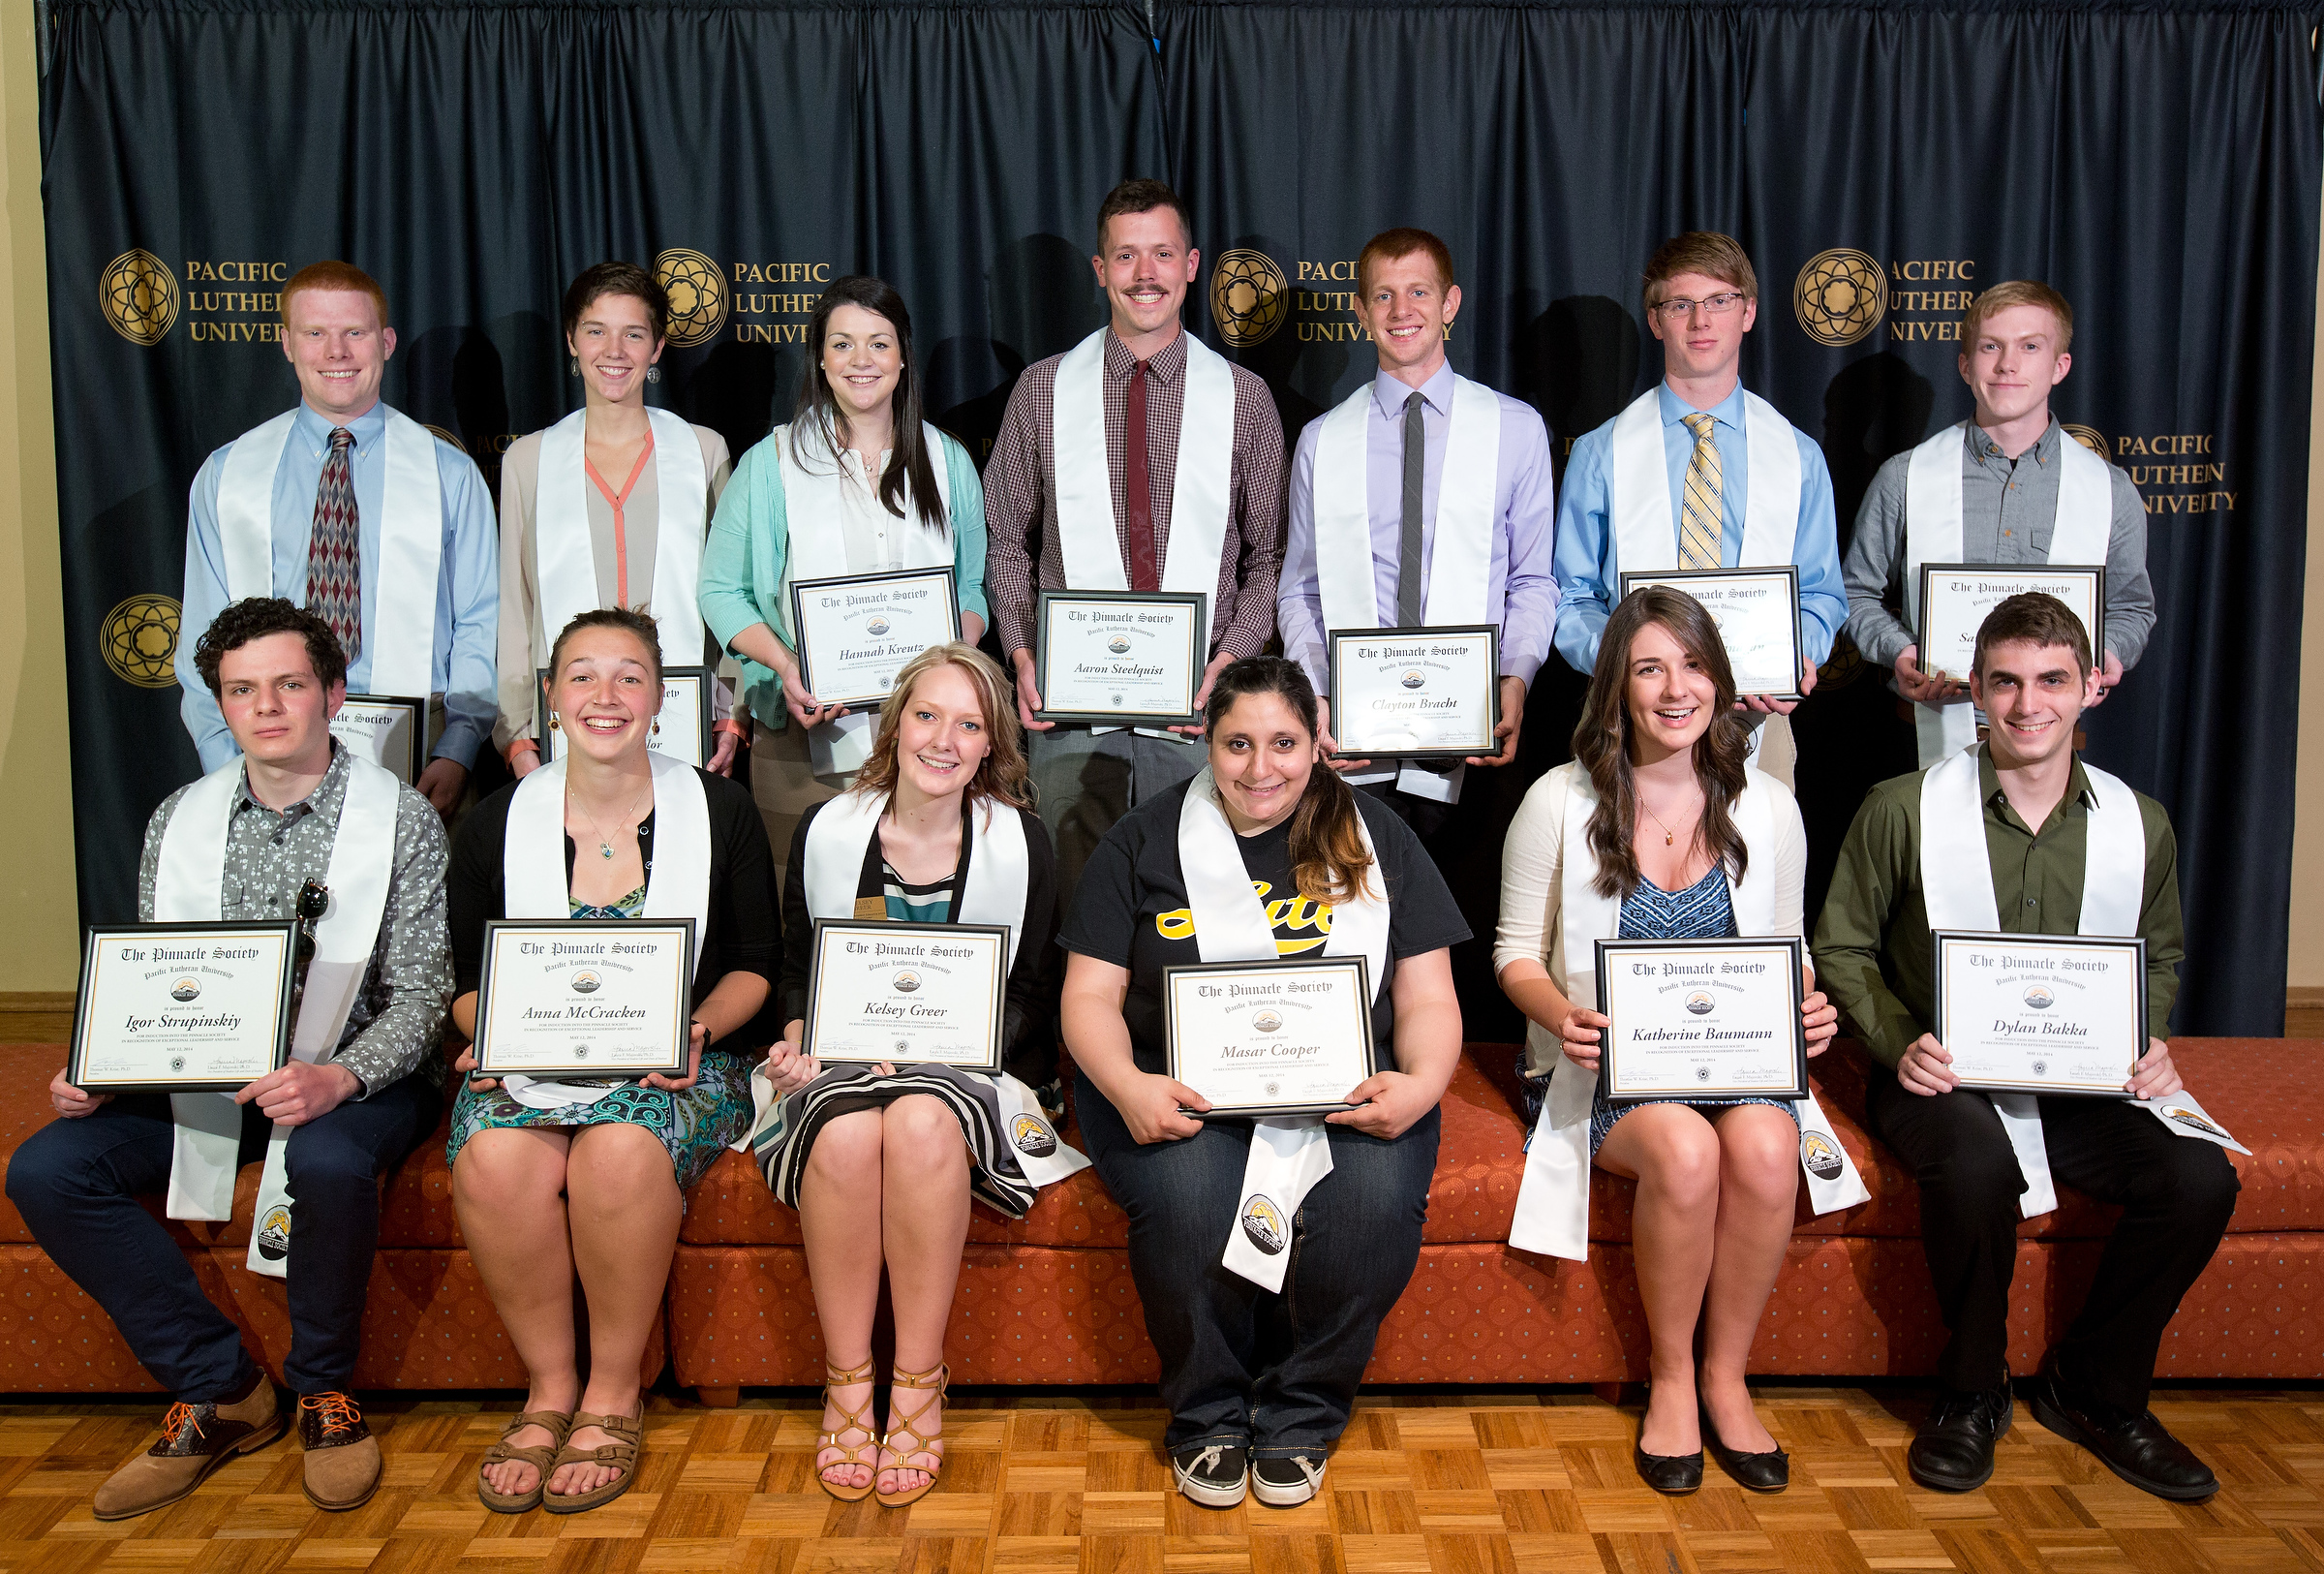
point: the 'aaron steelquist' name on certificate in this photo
(1269, 1038)
(182, 1008)
(1405, 694)
(912, 993)
(2041, 1014)
(586, 997)
(1702, 1019)
(1119, 656)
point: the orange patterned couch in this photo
(1049, 1299)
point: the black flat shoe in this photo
(1771, 1471)
(1953, 1450)
(1676, 1474)
(2135, 1447)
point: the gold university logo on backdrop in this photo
(697, 293)
(1249, 297)
(1840, 296)
(139, 297)
(2090, 436)
(138, 639)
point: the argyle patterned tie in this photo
(335, 552)
(1698, 512)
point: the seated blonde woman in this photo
(881, 1160)
(563, 1180)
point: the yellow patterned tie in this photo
(1698, 514)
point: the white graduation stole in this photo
(2083, 530)
(567, 563)
(1553, 1198)
(1956, 885)
(1645, 514)
(1460, 552)
(837, 839)
(188, 888)
(819, 524)
(533, 883)
(399, 634)
(1287, 1155)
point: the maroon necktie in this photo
(1144, 575)
(334, 552)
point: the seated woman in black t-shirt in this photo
(1251, 1388)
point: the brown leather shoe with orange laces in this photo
(195, 1439)
(343, 1457)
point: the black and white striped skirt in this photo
(786, 1133)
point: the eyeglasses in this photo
(1678, 307)
(313, 900)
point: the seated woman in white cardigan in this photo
(1659, 830)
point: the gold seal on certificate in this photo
(1414, 693)
(182, 1008)
(1267, 1039)
(1119, 657)
(1955, 596)
(2041, 1014)
(387, 729)
(681, 731)
(1702, 1019)
(586, 997)
(855, 632)
(1758, 614)
(913, 994)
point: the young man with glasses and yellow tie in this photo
(293, 826)
(1739, 486)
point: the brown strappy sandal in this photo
(621, 1454)
(908, 1427)
(858, 1419)
(540, 1456)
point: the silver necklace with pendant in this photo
(604, 842)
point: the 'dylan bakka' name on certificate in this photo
(2048, 1013)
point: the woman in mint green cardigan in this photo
(855, 483)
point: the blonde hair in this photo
(1002, 773)
(2017, 293)
(1706, 252)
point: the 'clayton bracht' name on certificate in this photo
(910, 994)
(2041, 1014)
(180, 1007)
(587, 997)
(1414, 693)
(1702, 1019)
(1269, 1038)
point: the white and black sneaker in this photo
(1287, 1483)
(1215, 1475)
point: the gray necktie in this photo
(1408, 565)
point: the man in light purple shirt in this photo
(1408, 301)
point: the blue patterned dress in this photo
(695, 1124)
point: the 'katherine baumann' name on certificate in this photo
(1702, 1019)
(182, 1008)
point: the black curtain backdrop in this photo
(2157, 163)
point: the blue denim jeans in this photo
(78, 1182)
(1241, 1366)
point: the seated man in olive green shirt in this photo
(2069, 850)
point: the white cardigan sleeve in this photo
(1532, 864)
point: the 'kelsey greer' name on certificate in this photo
(912, 953)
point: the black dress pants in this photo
(2176, 1194)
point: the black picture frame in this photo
(2015, 571)
(1333, 638)
(417, 706)
(673, 1066)
(1044, 647)
(1940, 939)
(802, 588)
(87, 1000)
(1795, 951)
(1170, 1029)
(1789, 572)
(884, 929)
(704, 679)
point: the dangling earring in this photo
(656, 733)
(652, 374)
(576, 371)
(555, 725)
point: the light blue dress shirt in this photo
(1589, 580)
(1521, 586)
(467, 586)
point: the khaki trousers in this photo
(785, 785)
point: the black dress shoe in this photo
(1771, 1471)
(1674, 1473)
(1953, 1450)
(2135, 1447)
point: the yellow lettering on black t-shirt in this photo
(1301, 923)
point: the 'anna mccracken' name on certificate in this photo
(605, 998)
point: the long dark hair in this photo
(1602, 741)
(1329, 861)
(819, 412)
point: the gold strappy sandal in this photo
(542, 1457)
(858, 1419)
(934, 1381)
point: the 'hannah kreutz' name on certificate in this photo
(1704, 1032)
(851, 606)
(567, 955)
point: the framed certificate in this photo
(1758, 614)
(2041, 1014)
(914, 993)
(681, 731)
(586, 997)
(1702, 1019)
(182, 1008)
(1119, 657)
(1414, 693)
(1263, 1039)
(387, 729)
(855, 632)
(1955, 596)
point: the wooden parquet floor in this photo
(1511, 1483)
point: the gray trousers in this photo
(1087, 780)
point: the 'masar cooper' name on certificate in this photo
(586, 997)
(1269, 1038)
(1702, 1019)
(182, 1008)
(2041, 1014)
(908, 994)
(856, 631)
(1414, 693)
